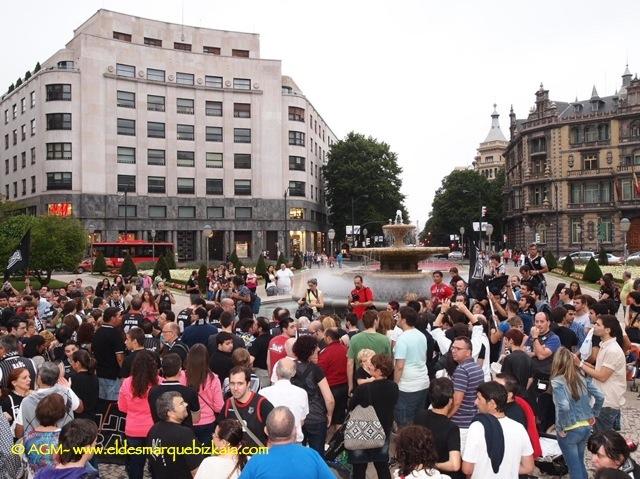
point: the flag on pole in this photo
(636, 184)
(21, 257)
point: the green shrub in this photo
(568, 266)
(146, 265)
(37, 67)
(170, 259)
(27, 75)
(592, 272)
(237, 264)
(162, 269)
(603, 260)
(99, 264)
(281, 259)
(202, 279)
(552, 263)
(18, 82)
(128, 268)
(297, 262)
(261, 266)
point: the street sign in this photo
(356, 229)
(484, 226)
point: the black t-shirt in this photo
(188, 394)
(85, 386)
(177, 347)
(634, 335)
(519, 365)
(221, 363)
(515, 412)
(568, 338)
(125, 370)
(259, 349)
(308, 375)
(164, 302)
(362, 374)
(446, 436)
(106, 343)
(382, 394)
(179, 466)
(183, 319)
(254, 414)
(212, 347)
(11, 404)
(132, 320)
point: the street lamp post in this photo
(153, 244)
(353, 221)
(92, 230)
(206, 231)
(286, 224)
(364, 237)
(579, 231)
(489, 230)
(462, 240)
(625, 226)
(331, 234)
(557, 222)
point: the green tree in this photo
(27, 75)
(281, 259)
(552, 263)
(57, 243)
(128, 268)
(592, 271)
(568, 265)
(458, 202)
(11, 88)
(18, 82)
(202, 279)
(297, 262)
(99, 264)
(261, 266)
(170, 260)
(162, 268)
(233, 257)
(360, 166)
(37, 67)
(603, 259)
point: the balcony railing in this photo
(591, 173)
(586, 206)
(628, 168)
(589, 144)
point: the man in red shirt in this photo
(276, 345)
(361, 297)
(333, 362)
(439, 289)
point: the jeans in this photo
(408, 406)
(572, 447)
(314, 436)
(608, 420)
(135, 462)
(108, 389)
(204, 433)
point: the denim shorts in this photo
(109, 388)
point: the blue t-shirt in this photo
(290, 461)
(412, 347)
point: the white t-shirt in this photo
(283, 278)
(412, 347)
(583, 320)
(218, 466)
(516, 445)
(283, 393)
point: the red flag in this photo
(636, 184)
(616, 185)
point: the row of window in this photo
(156, 129)
(23, 134)
(589, 133)
(23, 107)
(181, 78)
(127, 155)
(157, 42)
(605, 225)
(185, 212)
(185, 106)
(23, 157)
(24, 187)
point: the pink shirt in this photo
(209, 396)
(138, 419)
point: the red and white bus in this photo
(114, 252)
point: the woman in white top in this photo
(416, 454)
(226, 465)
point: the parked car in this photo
(580, 257)
(634, 259)
(86, 265)
(613, 259)
(455, 255)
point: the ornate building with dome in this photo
(571, 172)
(490, 157)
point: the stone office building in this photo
(139, 125)
(570, 172)
(490, 158)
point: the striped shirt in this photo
(466, 378)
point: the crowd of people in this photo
(459, 384)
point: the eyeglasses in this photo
(456, 348)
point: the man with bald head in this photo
(283, 393)
(227, 304)
(285, 460)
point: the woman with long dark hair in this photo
(555, 297)
(134, 403)
(103, 288)
(198, 377)
(228, 438)
(416, 454)
(572, 397)
(149, 307)
(85, 383)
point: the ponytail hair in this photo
(86, 361)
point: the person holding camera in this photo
(165, 298)
(361, 297)
(312, 300)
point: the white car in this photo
(613, 259)
(455, 255)
(579, 256)
(634, 259)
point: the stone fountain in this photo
(399, 258)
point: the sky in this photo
(420, 75)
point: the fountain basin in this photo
(403, 259)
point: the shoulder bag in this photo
(245, 428)
(363, 429)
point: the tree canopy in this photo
(359, 166)
(57, 243)
(458, 202)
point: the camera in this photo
(355, 297)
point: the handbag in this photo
(363, 429)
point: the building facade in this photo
(490, 157)
(570, 172)
(140, 125)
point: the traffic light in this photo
(484, 211)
